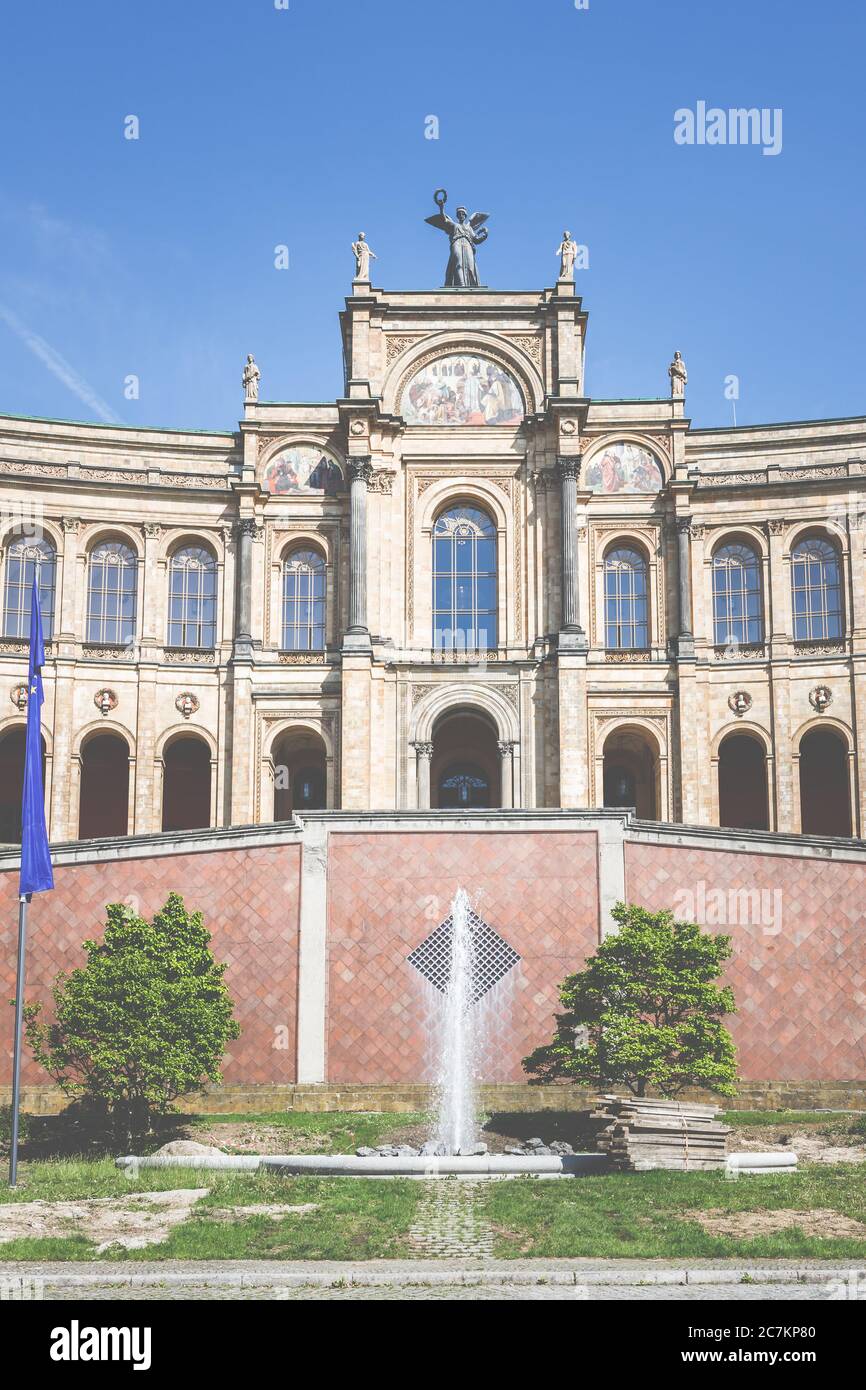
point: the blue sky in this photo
(261, 126)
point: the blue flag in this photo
(36, 873)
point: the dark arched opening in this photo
(103, 807)
(12, 745)
(825, 800)
(186, 784)
(300, 782)
(631, 772)
(465, 770)
(743, 800)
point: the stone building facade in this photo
(464, 584)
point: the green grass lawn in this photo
(643, 1215)
(356, 1220)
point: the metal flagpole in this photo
(19, 1034)
(36, 874)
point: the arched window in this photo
(111, 593)
(24, 558)
(303, 602)
(737, 616)
(816, 590)
(625, 599)
(464, 580)
(192, 598)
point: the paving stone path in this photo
(451, 1220)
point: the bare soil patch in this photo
(142, 1218)
(811, 1145)
(822, 1222)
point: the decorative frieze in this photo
(819, 648)
(95, 652)
(529, 343)
(734, 651)
(381, 480)
(189, 656)
(398, 343)
(462, 656)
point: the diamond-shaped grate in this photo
(492, 956)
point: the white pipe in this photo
(760, 1162)
(348, 1165)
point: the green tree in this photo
(146, 1019)
(645, 1011)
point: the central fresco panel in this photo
(462, 388)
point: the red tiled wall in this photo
(387, 892)
(801, 989)
(250, 903)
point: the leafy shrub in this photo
(645, 1011)
(146, 1019)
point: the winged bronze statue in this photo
(464, 234)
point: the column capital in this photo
(423, 749)
(568, 466)
(506, 748)
(360, 469)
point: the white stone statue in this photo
(678, 375)
(567, 253)
(251, 379)
(363, 256)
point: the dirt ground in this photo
(748, 1225)
(142, 1218)
(810, 1143)
(824, 1142)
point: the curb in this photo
(354, 1278)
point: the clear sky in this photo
(262, 126)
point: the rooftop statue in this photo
(363, 256)
(251, 379)
(464, 234)
(678, 375)
(567, 252)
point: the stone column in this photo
(506, 771)
(686, 641)
(423, 755)
(66, 626)
(244, 612)
(58, 809)
(360, 472)
(241, 738)
(568, 472)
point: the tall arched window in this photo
(192, 598)
(111, 593)
(625, 599)
(464, 580)
(24, 558)
(816, 590)
(737, 616)
(304, 602)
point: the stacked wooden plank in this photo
(642, 1134)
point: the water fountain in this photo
(460, 1043)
